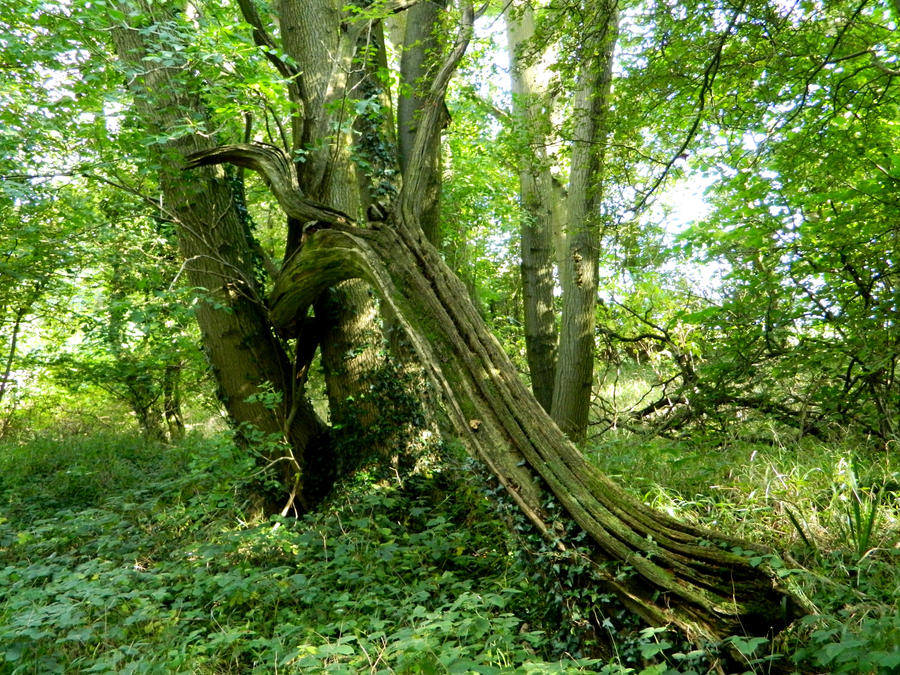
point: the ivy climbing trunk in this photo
(333, 67)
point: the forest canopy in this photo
(359, 239)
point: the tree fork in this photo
(683, 575)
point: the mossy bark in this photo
(681, 574)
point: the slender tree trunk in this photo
(11, 348)
(146, 409)
(529, 75)
(9, 357)
(418, 63)
(172, 402)
(578, 267)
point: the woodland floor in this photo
(117, 556)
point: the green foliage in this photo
(842, 644)
(479, 211)
(833, 508)
(128, 557)
(400, 427)
(88, 268)
(122, 556)
(858, 510)
(805, 223)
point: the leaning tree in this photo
(354, 214)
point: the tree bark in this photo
(529, 75)
(682, 574)
(331, 73)
(578, 267)
(10, 355)
(418, 63)
(247, 359)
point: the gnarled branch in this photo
(274, 165)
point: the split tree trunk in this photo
(329, 79)
(682, 575)
(679, 574)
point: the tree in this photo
(133, 324)
(542, 199)
(28, 267)
(665, 571)
(706, 590)
(806, 177)
(578, 267)
(418, 63)
(573, 216)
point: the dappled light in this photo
(396, 336)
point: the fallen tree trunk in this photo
(680, 574)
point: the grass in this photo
(831, 509)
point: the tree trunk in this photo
(418, 63)
(578, 267)
(334, 78)
(680, 574)
(148, 414)
(529, 76)
(5, 382)
(249, 363)
(172, 402)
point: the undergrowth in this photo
(121, 557)
(832, 510)
(118, 556)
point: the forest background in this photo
(196, 479)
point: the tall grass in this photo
(830, 509)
